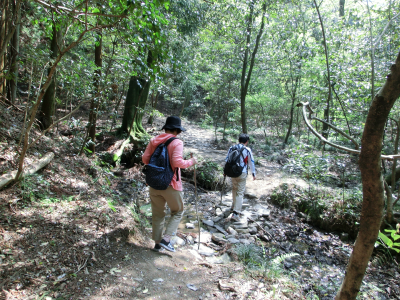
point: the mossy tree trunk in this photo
(136, 99)
(135, 103)
(154, 101)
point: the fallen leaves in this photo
(114, 270)
(226, 287)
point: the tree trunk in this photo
(3, 45)
(244, 82)
(135, 102)
(136, 99)
(373, 189)
(325, 127)
(94, 104)
(341, 8)
(292, 93)
(14, 56)
(48, 105)
(32, 169)
(290, 122)
(154, 107)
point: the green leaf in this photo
(386, 240)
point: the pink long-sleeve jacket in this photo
(175, 151)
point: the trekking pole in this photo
(222, 189)
(195, 193)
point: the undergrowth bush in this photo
(328, 209)
(257, 260)
(209, 175)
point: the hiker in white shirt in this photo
(239, 183)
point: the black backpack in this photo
(159, 172)
(232, 167)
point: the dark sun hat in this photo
(173, 122)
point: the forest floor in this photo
(72, 231)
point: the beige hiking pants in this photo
(238, 188)
(174, 199)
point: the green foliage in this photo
(139, 217)
(111, 205)
(280, 259)
(256, 261)
(251, 255)
(209, 174)
(282, 196)
(310, 165)
(389, 242)
(207, 122)
(314, 205)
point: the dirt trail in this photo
(185, 274)
(269, 176)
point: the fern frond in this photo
(277, 260)
(379, 260)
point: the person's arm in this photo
(176, 156)
(252, 166)
(147, 153)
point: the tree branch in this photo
(305, 106)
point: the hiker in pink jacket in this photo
(173, 195)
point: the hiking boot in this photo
(235, 218)
(157, 248)
(167, 245)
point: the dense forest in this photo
(314, 84)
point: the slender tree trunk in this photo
(244, 81)
(372, 54)
(292, 93)
(373, 188)
(94, 104)
(290, 121)
(389, 206)
(325, 127)
(183, 107)
(14, 56)
(3, 44)
(46, 113)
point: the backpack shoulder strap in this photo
(241, 152)
(166, 145)
(170, 140)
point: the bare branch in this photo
(338, 131)
(305, 106)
